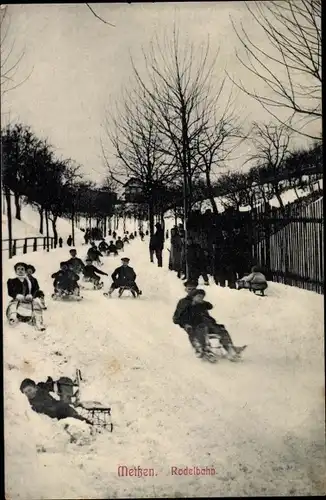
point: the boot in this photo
(199, 351)
(232, 354)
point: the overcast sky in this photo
(78, 65)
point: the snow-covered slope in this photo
(259, 423)
(28, 226)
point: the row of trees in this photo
(34, 174)
(178, 127)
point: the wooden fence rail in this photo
(26, 243)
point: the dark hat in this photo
(198, 291)
(29, 266)
(73, 250)
(125, 259)
(20, 264)
(191, 283)
(26, 383)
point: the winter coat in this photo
(198, 314)
(94, 254)
(119, 244)
(157, 240)
(180, 316)
(69, 241)
(76, 264)
(103, 246)
(90, 270)
(112, 249)
(175, 260)
(25, 287)
(123, 275)
(44, 403)
(65, 279)
(255, 278)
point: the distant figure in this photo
(69, 241)
(142, 235)
(255, 281)
(114, 235)
(119, 243)
(110, 232)
(156, 245)
(131, 236)
(167, 234)
(60, 242)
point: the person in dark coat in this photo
(60, 242)
(22, 287)
(75, 263)
(30, 270)
(69, 241)
(94, 254)
(224, 265)
(103, 246)
(114, 235)
(42, 402)
(65, 279)
(175, 259)
(112, 248)
(193, 316)
(124, 276)
(142, 235)
(90, 273)
(197, 261)
(156, 245)
(119, 243)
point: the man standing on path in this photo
(156, 245)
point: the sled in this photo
(121, 290)
(29, 312)
(97, 413)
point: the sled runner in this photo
(96, 412)
(122, 289)
(89, 284)
(29, 312)
(65, 295)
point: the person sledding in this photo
(75, 263)
(124, 278)
(41, 401)
(91, 274)
(38, 294)
(192, 315)
(94, 254)
(119, 243)
(126, 239)
(112, 248)
(103, 246)
(255, 281)
(25, 304)
(65, 282)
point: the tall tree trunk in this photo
(210, 192)
(54, 229)
(41, 213)
(151, 216)
(9, 219)
(73, 226)
(278, 196)
(47, 230)
(17, 205)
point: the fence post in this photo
(44, 243)
(14, 248)
(25, 246)
(35, 245)
(51, 243)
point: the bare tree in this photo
(271, 143)
(290, 68)
(99, 17)
(181, 97)
(138, 147)
(9, 64)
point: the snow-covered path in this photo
(259, 423)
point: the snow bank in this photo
(258, 423)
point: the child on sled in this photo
(90, 275)
(65, 281)
(192, 315)
(25, 305)
(124, 277)
(255, 281)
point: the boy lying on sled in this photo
(26, 304)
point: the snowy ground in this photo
(259, 423)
